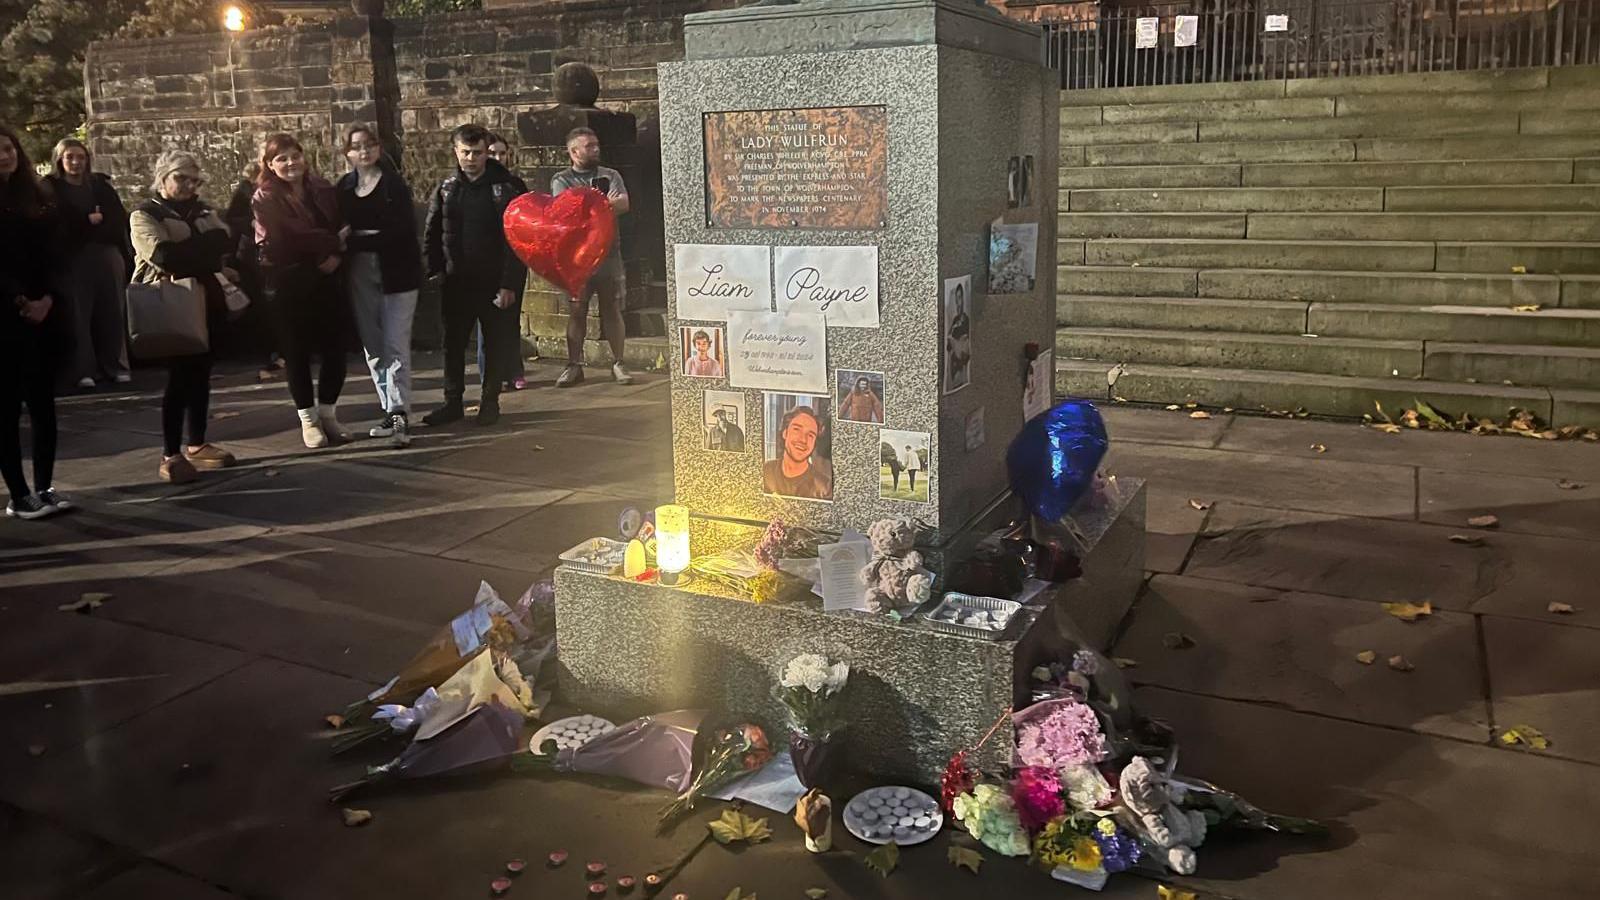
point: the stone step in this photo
(1213, 110)
(1460, 171)
(1329, 395)
(1468, 324)
(1521, 147)
(1172, 93)
(1586, 171)
(1577, 100)
(1182, 313)
(1403, 288)
(1541, 259)
(1426, 226)
(1388, 256)
(1125, 281)
(1223, 349)
(1496, 80)
(1251, 151)
(1517, 363)
(1287, 199)
(1510, 197)
(1131, 225)
(1580, 291)
(1151, 133)
(1359, 127)
(1153, 176)
(1556, 121)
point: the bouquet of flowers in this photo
(1091, 791)
(489, 734)
(733, 752)
(809, 689)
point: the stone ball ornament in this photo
(576, 84)
(1053, 460)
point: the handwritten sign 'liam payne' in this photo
(838, 283)
(778, 352)
(713, 279)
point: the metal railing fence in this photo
(1103, 44)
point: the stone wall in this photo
(220, 95)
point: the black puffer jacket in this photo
(444, 233)
(29, 267)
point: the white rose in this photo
(837, 674)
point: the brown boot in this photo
(209, 456)
(177, 470)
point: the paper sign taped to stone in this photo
(1278, 23)
(712, 279)
(778, 352)
(1186, 32)
(1146, 33)
(838, 283)
(841, 566)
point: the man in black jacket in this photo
(463, 240)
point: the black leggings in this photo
(26, 376)
(188, 395)
(316, 322)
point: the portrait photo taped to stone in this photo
(798, 439)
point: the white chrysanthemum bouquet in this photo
(809, 687)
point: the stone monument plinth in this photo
(834, 176)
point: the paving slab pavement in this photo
(270, 595)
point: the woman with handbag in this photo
(384, 270)
(180, 241)
(300, 234)
(30, 342)
(99, 260)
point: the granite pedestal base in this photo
(916, 694)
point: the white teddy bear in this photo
(1163, 824)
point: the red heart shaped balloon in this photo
(563, 238)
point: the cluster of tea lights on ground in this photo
(595, 872)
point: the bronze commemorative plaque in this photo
(798, 168)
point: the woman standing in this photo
(298, 231)
(30, 343)
(383, 269)
(95, 227)
(176, 235)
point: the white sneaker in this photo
(124, 378)
(620, 373)
(86, 382)
(383, 429)
(400, 434)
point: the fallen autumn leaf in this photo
(1400, 663)
(1471, 540)
(355, 818)
(334, 721)
(965, 858)
(1122, 662)
(1366, 657)
(1199, 414)
(1176, 640)
(1409, 612)
(1527, 735)
(1484, 521)
(1320, 448)
(1563, 608)
(1201, 505)
(1569, 485)
(884, 859)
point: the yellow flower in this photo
(1107, 827)
(1085, 854)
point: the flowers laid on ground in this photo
(809, 689)
(754, 571)
(734, 752)
(1090, 791)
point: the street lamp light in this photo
(233, 21)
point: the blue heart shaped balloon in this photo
(1053, 460)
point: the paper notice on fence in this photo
(1148, 30)
(1277, 23)
(1186, 31)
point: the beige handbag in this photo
(167, 318)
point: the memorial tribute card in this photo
(712, 279)
(778, 351)
(839, 283)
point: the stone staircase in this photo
(1322, 244)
